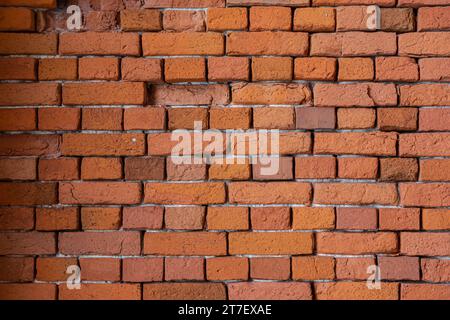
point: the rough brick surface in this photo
(324, 149)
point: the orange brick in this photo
(435, 219)
(315, 68)
(273, 118)
(184, 218)
(16, 218)
(53, 269)
(351, 69)
(59, 118)
(357, 168)
(98, 68)
(314, 19)
(355, 291)
(227, 218)
(229, 118)
(221, 19)
(270, 18)
(17, 119)
(356, 118)
(270, 218)
(315, 167)
(17, 19)
(356, 242)
(185, 70)
(313, 218)
(29, 43)
(140, 69)
(101, 168)
(270, 268)
(399, 219)
(227, 268)
(186, 193)
(100, 269)
(143, 217)
(25, 94)
(228, 69)
(185, 118)
(55, 219)
(58, 169)
(140, 20)
(396, 69)
(102, 119)
(271, 68)
(313, 268)
(147, 118)
(95, 218)
(18, 68)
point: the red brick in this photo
(17, 269)
(434, 119)
(98, 68)
(270, 268)
(183, 4)
(356, 118)
(356, 218)
(357, 168)
(58, 69)
(397, 119)
(186, 43)
(184, 20)
(144, 168)
(101, 168)
(102, 119)
(104, 291)
(56, 219)
(424, 291)
(283, 167)
(434, 69)
(399, 268)
(425, 243)
(28, 291)
(100, 269)
(355, 291)
(99, 193)
(269, 291)
(269, 243)
(270, 218)
(50, 4)
(101, 21)
(352, 18)
(398, 169)
(418, 44)
(326, 44)
(399, 219)
(256, 43)
(59, 118)
(99, 43)
(184, 291)
(100, 243)
(185, 118)
(59, 169)
(147, 118)
(433, 19)
(184, 218)
(424, 144)
(355, 95)
(230, 118)
(227, 218)
(17, 119)
(425, 95)
(270, 18)
(227, 268)
(16, 218)
(435, 219)
(435, 270)
(313, 218)
(289, 3)
(17, 168)
(125, 144)
(397, 19)
(313, 268)
(271, 68)
(18, 69)
(140, 20)
(28, 243)
(424, 194)
(279, 93)
(106, 93)
(28, 193)
(24, 94)
(315, 68)
(315, 118)
(315, 167)
(185, 243)
(269, 192)
(355, 193)
(351, 69)
(418, 3)
(142, 269)
(396, 69)
(140, 69)
(356, 242)
(224, 69)
(361, 143)
(28, 43)
(354, 268)
(29, 145)
(184, 269)
(315, 19)
(221, 19)
(53, 269)
(185, 70)
(142, 217)
(211, 94)
(184, 193)
(95, 218)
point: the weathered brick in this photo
(25, 94)
(184, 218)
(356, 242)
(211, 94)
(424, 291)
(184, 291)
(313, 218)
(58, 69)
(256, 93)
(399, 219)
(142, 269)
(425, 243)
(28, 291)
(27, 193)
(315, 167)
(95, 218)
(418, 44)
(221, 19)
(101, 119)
(16, 218)
(100, 269)
(29, 43)
(424, 144)
(140, 20)
(147, 118)
(227, 268)
(396, 69)
(185, 70)
(434, 69)
(269, 291)
(356, 218)
(433, 18)
(435, 219)
(98, 68)
(184, 20)
(184, 269)
(356, 118)
(184, 193)
(141, 69)
(315, 19)
(397, 119)
(313, 68)
(59, 118)
(424, 194)
(142, 217)
(313, 268)
(270, 18)
(18, 68)
(355, 291)
(103, 291)
(227, 218)
(357, 167)
(271, 68)
(269, 192)
(225, 69)
(270, 268)
(351, 69)
(55, 219)
(101, 168)
(355, 193)
(28, 243)
(17, 269)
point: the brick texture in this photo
(100, 149)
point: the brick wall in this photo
(87, 178)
